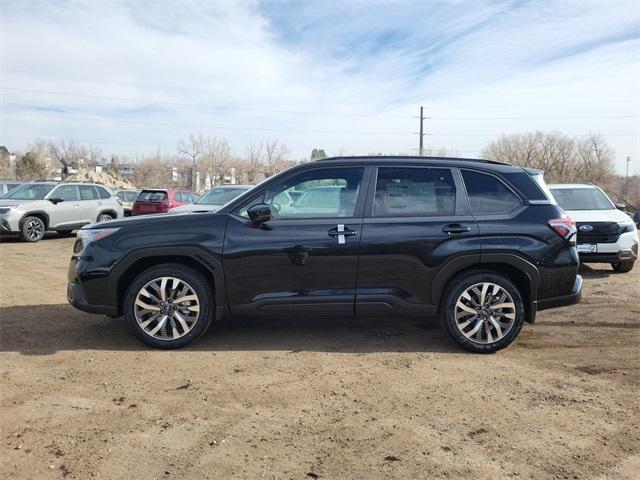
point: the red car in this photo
(161, 200)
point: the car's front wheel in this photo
(622, 267)
(169, 306)
(33, 229)
(483, 311)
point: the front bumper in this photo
(75, 296)
(10, 221)
(624, 250)
(563, 300)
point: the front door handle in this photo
(341, 232)
(455, 228)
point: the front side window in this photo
(320, 193)
(66, 192)
(488, 195)
(87, 192)
(417, 192)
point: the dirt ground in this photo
(307, 399)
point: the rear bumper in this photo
(563, 300)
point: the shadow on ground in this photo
(46, 329)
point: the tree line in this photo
(201, 161)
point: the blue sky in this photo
(346, 76)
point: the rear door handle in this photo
(455, 228)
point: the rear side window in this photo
(88, 192)
(152, 196)
(488, 195)
(103, 193)
(177, 196)
(414, 192)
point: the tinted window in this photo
(87, 192)
(152, 196)
(488, 195)
(321, 193)
(103, 193)
(414, 192)
(582, 199)
(66, 192)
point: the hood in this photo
(136, 221)
(195, 207)
(612, 215)
(11, 201)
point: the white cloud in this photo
(509, 59)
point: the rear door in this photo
(417, 219)
(89, 203)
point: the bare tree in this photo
(154, 171)
(276, 154)
(255, 161)
(562, 158)
(191, 148)
(216, 155)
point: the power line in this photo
(203, 127)
(198, 105)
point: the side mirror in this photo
(620, 206)
(259, 213)
(56, 201)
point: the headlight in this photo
(6, 208)
(95, 234)
(627, 227)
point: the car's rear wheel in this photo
(104, 217)
(169, 306)
(483, 311)
(33, 229)
(622, 267)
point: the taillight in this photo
(565, 227)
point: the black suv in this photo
(482, 244)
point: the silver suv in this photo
(33, 208)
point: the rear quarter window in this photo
(103, 193)
(488, 195)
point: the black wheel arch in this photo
(132, 264)
(520, 271)
(108, 211)
(41, 214)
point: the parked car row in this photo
(34, 208)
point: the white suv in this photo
(605, 233)
(33, 208)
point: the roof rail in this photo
(411, 157)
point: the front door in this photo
(304, 260)
(65, 213)
(417, 220)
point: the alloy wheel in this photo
(35, 229)
(167, 308)
(485, 312)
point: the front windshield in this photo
(29, 191)
(582, 199)
(220, 196)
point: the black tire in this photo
(64, 233)
(195, 280)
(32, 229)
(622, 267)
(104, 217)
(456, 287)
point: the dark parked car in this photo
(480, 243)
(159, 200)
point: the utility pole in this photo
(628, 162)
(421, 142)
